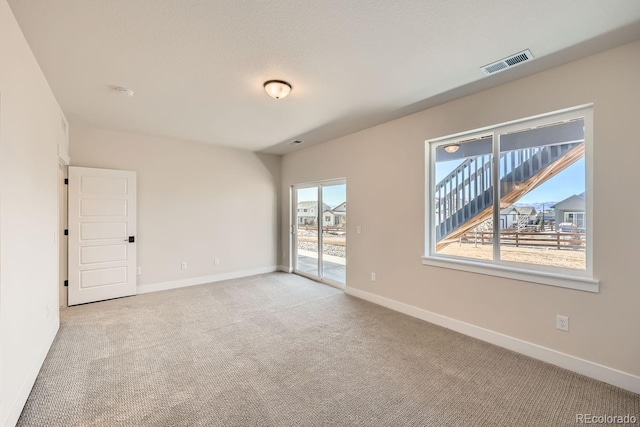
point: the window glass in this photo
(542, 173)
(463, 198)
(513, 195)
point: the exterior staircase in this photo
(464, 198)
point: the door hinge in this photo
(66, 232)
(66, 181)
(66, 283)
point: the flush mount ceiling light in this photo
(277, 88)
(452, 148)
(123, 91)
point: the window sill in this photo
(545, 278)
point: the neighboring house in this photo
(329, 219)
(515, 216)
(546, 217)
(335, 217)
(571, 210)
(308, 212)
(340, 214)
(342, 207)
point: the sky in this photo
(332, 195)
(565, 184)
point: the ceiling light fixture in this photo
(277, 88)
(123, 91)
(452, 148)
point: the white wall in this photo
(384, 166)
(30, 133)
(196, 202)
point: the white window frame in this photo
(575, 217)
(547, 275)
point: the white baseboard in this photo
(30, 380)
(581, 366)
(173, 284)
(285, 268)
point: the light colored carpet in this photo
(280, 350)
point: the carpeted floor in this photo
(280, 350)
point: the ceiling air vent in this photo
(510, 61)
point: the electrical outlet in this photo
(562, 323)
(373, 276)
(139, 271)
(358, 229)
(183, 265)
(216, 261)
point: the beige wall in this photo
(384, 167)
(30, 133)
(196, 202)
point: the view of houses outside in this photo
(334, 236)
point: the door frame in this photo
(319, 221)
(63, 242)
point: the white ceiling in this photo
(197, 67)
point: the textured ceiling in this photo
(197, 66)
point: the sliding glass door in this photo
(320, 231)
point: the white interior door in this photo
(102, 230)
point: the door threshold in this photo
(324, 281)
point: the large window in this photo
(514, 200)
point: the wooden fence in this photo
(325, 229)
(554, 239)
